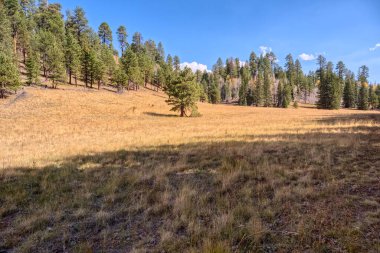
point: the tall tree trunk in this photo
(70, 77)
(24, 55)
(98, 84)
(182, 111)
(2, 91)
(76, 81)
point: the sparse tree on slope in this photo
(122, 38)
(105, 34)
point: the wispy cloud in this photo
(194, 66)
(307, 57)
(265, 49)
(374, 48)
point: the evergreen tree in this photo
(213, 90)
(323, 88)
(72, 57)
(253, 64)
(237, 68)
(298, 79)
(183, 92)
(131, 67)
(122, 37)
(137, 42)
(147, 68)
(267, 85)
(372, 98)
(291, 72)
(160, 52)
(243, 91)
(32, 68)
(79, 23)
(258, 94)
(120, 79)
(52, 57)
(176, 63)
(105, 34)
(349, 91)
(9, 75)
(377, 92)
(363, 97)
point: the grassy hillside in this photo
(85, 170)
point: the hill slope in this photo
(94, 170)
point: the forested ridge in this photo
(41, 45)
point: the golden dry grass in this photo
(46, 125)
(93, 171)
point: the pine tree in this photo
(52, 56)
(349, 91)
(323, 88)
(298, 79)
(363, 97)
(253, 64)
(9, 75)
(120, 79)
(267, 85)
(79, 23)
(377, 92)
(243, 91)
(372, 98)
(32, 68)
(213, 90)
(237, 68)
(183, 93)
(176, 63)
(105, 34)
(131, 67)
(137, 42)
(147, 68)
(160, 53)
(122, 37)
(72, 57)
(291, 72)
(258, 94)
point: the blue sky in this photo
(201, 31)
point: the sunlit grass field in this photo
(95, 171)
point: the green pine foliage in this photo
(9, 74)
(363, 99)
(183, 93)
(349, 100)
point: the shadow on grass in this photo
(154, 114)
(313, 191)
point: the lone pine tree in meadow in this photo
(183, 93)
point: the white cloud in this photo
(307, 57)
(242, 63)
(264, 50)
(374, 48)
(194, 66)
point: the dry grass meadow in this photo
(94, 171)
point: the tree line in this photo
(36, 41)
